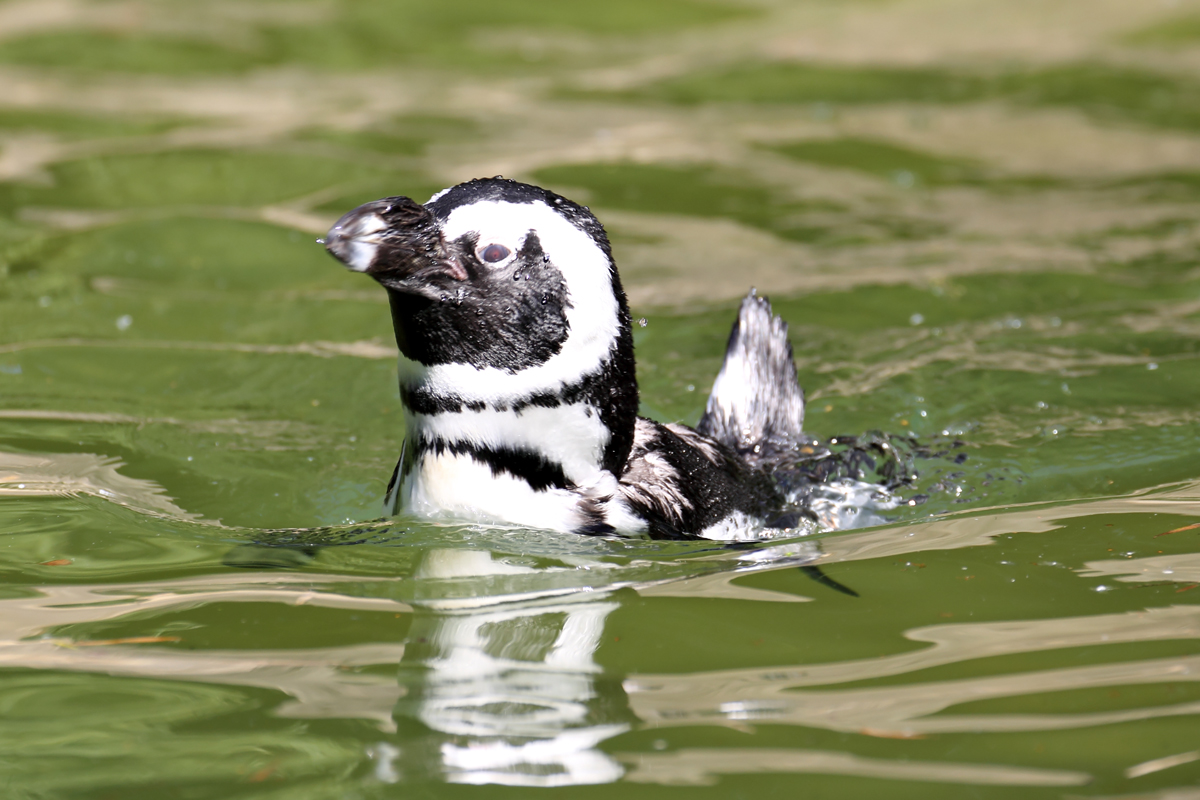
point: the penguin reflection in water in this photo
(517, 375)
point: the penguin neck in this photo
(579, 418)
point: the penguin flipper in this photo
(756, 400)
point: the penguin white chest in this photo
(455, 486)
(504, 466)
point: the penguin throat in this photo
(587, 418)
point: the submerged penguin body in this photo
(516, 370)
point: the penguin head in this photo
(491, 273)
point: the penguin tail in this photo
(756, 406)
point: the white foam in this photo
(737, 527)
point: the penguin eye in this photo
(493, 253)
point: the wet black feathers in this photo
(684, 483)
(509, 318)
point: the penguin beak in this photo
(355, 238)
(395, 240)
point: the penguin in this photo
(517, 376)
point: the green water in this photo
(198, 409)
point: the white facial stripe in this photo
(565, 435)
(593, 317)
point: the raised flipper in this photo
(756, 406)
